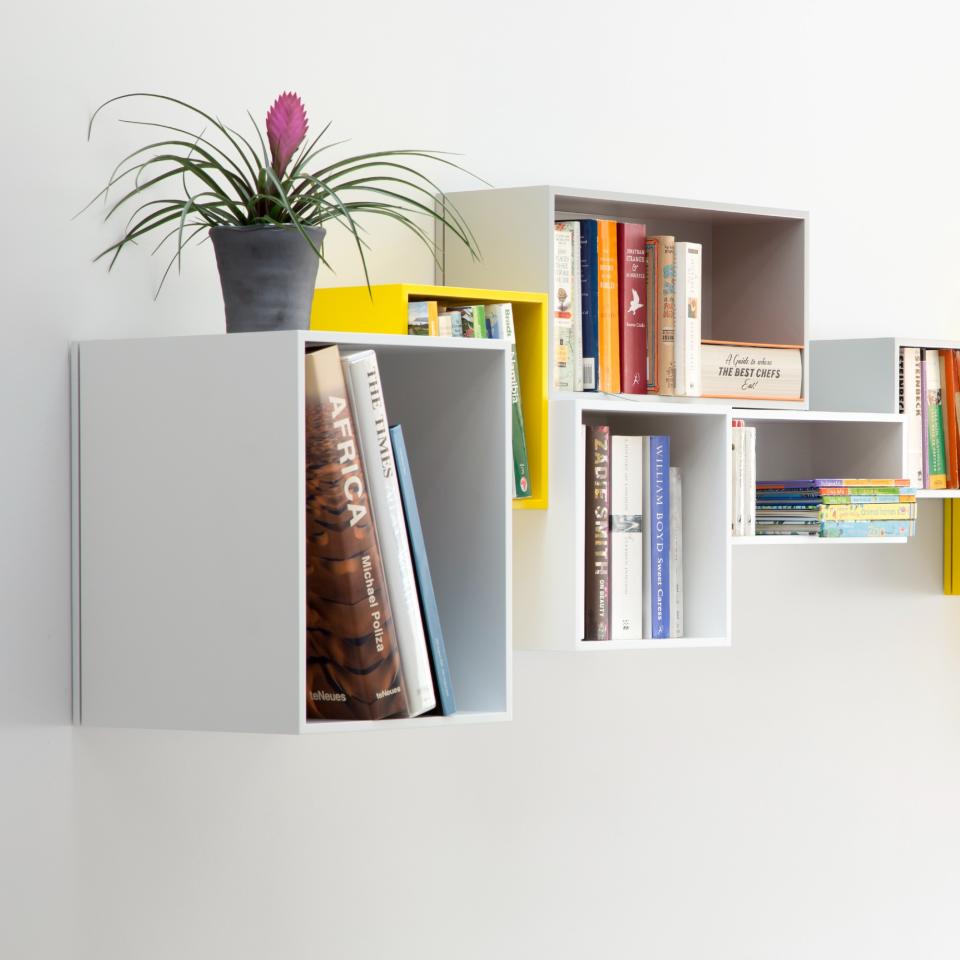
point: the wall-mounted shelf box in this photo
(383, 310)
(189, 524)
(755, 258)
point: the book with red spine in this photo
(632, 275)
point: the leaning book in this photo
(353, 660)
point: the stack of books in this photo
(851, 508)
(374, 642)
(479, 321)
(633, 588)
(930, 400)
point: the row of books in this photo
(493, 321)
(374, 641)
(930, 400)
(836, 508)
(633, 561)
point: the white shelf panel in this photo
(323, 727)
(938, 494)
(674, 643)
(654, 400)
(783, 541)
(821, 416)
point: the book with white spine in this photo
(562, 308)
(689, 305)
(626, 538)
(362, 376)
(736, 478)
(676, 554)
(576, 319)
(913, 411)
(749, 481)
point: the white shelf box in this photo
(754, 258)
(189, 546)
(549, 547)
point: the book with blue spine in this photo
(428, 601)
(656, 567)
(589, 298)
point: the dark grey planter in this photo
(267, 275)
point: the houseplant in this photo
(264, 201)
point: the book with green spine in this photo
(501, 318)
(936, 447)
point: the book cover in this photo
(948, 380)
(608, 325)
(653, 324)
(868, 511)
(353, 660)
(421, 566)
(676, 554)
(666, 315)
(562, 307)
(450, 323)
(954, 400)
(422, 318)
(576, 310)
(688, 258)
(656, 478)
(626, 538)
(596, 614)
(473, 321)
(924, 414)
(869, 498)
(749, 481)
(936, 452)
(751, 371)
(632, 301)
(362, 375)
(589, 299)
(737, 493)
(501, 317)
(912, 410)
(868, 528)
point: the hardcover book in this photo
(562, 307)
(596, 614)
(751, 371)
(948, 381)
(353, 661)
(688, 308)
(936, 450)
(656, 552)
(632, 269)
(576, 319)
(589, 299)
(912, 410)
(676, 553)
(421, 565)
(473, 321)
(626, 538)
(868, 528)
(653, 327)
(666, 313)
(608, 325)
(362, 375)
(422, 318)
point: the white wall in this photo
(793, 797)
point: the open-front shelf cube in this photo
(189, 482)
(549, 549)
(754, 258)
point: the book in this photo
(868, 528)
(676, 554)
(473, 321)
(833, 483)
(576, 310)
(749, 482)
(751, 371)
(911, 408)
(501, 321)
(656, 543)
(737, 471)
(924, 416)
(422, 318)
(948, 382)
(589, 299)
(869, 498)
(653, 326)
(596, 613)
(936, 452)
(353, 660)
(362, 376)
(562, 307)
(608, 325)
(440, 668)
(665, 301)
(626, 538)
(632, 302)
(868, 511)
(450, 323)
(688, 257)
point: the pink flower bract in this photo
(286, 129)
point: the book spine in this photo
(589, 298)
(676, 554)
(936, 464)
(912, 410)
(868, 528)
(688, 308)
(353, 660)
(596, 620)
(632, 301)
(868, 511)
(869, 498)
(924, 418)
(502, 317)
(948, 380)
(373, 431)
(562, 308)
(737, 493)
(653, 322)
(660, 536)
(749, 481)
(626, 538)
(607, 320)
(576, 311)
(667, 314)
(421, 566)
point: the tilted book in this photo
(362, 376)
(676, 553)
(596, 612)
(353, 660)
(936, 451)
(576, 320)
(689, 270)
(562, 308)
(656, 544)
(666, 309)
(751, 371)
(588, 303)
(421, 566)
(608, 324)
(632, 287)
(626, 538)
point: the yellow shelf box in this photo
(383, 309)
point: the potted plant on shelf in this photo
(264, 204)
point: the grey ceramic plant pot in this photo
(267, 275)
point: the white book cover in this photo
(576, 320)
(736, 479)
(749, 481)
(689, 305)
(626, 538)
(562, 307)
(362, 376)
(646, 598)
(913, 411)
(676, 554)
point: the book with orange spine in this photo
(948, 377)
(608, 313)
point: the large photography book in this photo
(353, 660)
